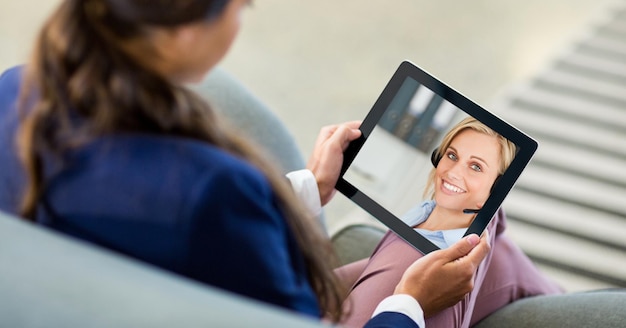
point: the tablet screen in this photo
(424, 143)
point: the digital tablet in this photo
(386, 170)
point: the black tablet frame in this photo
(526, 148)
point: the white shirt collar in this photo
(441, 238)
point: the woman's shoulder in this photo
(171, 177)
(168, 153)
(10, 80)
(158, 154)
(157, 159)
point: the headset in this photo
(435, 157)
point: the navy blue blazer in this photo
(177, 203)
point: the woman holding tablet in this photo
(116, 150)
(467, 163)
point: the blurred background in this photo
(323, 62)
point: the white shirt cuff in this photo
(404, 304)
(305, 186)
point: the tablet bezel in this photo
(526, 148)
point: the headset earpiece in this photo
(435, 157)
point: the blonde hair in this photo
(507, 149)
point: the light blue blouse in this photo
(441, 238)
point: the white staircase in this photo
(568, 210)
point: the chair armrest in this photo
(603, 308)
(50, 280)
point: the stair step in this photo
(601, 45)
(541, 101)
(574, 160)
(594, 67)
(572, 132)
(583, 87)
(581, 256)
(574, 189)
(572, 282)
(573, 219)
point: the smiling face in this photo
(467, 170)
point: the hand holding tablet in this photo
(419, 124)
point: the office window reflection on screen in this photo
(418, 116)
(393, 164)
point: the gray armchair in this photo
(50, 280)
